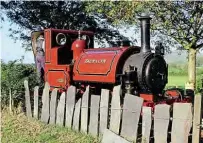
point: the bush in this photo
(199, 82)
(13, 75)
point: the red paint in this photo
(173, 93)
(58, 75)
(147, 97)
(105, 62)
(78, 47)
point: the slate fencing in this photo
(104, 116)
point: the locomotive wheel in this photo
(173, 93)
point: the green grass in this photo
(178, 76)
(17, 128)
(177, 80)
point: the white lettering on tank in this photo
(92, 61)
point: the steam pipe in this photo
(145, 33)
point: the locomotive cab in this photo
(59, 53)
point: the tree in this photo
(116, 12)
(185, 27)
(38, 15)
(13, 74)
(181, 22)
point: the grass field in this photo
(178, 76)
(176, 80)
(16, 128)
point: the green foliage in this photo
(19, 129)
(179, 22)
(185, 26)
(39, 15)
(116, 12)
(13, 75)
(199, 82)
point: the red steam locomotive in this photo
(71, 59)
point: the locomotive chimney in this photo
(145, 32)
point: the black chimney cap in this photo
(144, 16)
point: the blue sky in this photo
(11, 50)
